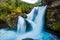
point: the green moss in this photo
(56, 26)
(49, 13)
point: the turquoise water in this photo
(36, 19)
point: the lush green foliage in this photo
(10, 9)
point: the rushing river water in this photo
(36, 21)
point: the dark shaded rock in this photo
(55, 3)
(51, 3)
(3, 24)
(54, 20)
(53, 16)
(47, 2)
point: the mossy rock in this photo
(53, 13)
(56, 26)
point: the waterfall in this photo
(37, 14)
(32, 15)
(21, 26)
(36, 19)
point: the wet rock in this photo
(54, 19)
(53, 16)
(54, 11)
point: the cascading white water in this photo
(21, 26)
(36, 19)
(32, 15)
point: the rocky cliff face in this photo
(3, 24)
(53, 15)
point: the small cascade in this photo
(21, 26)
(32, 15)
(39, 20)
